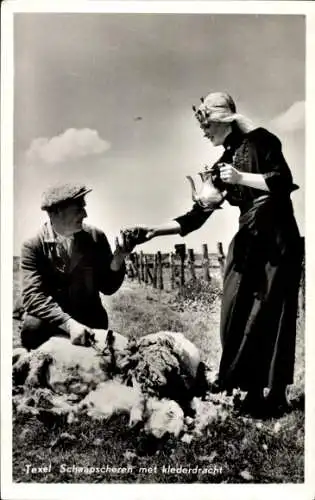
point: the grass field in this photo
(235, 450)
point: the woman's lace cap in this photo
(217, 106)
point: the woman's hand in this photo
(229, 174)
(143, 234)
(130, 237)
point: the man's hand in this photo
(79, 334)
(136, 236)
(122, 248)
(126, 241)
(130, 237)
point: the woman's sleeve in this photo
(270, 162)
(194, 219)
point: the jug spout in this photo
(193, 187)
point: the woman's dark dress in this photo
(261, 282)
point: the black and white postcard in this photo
(156, 249)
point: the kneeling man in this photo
(64, 267)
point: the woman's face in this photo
(217, 132)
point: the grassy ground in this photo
(235, 450)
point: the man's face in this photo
(70, 217)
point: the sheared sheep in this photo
(187, 353)
(66, 368)
(152, 379)
(166, 365)
(113, 398)
(163, 417)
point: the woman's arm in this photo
(181, 225)
(256, 181)
(148, 233)
(171, 227)
(231, 175)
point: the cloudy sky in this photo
(106, 99)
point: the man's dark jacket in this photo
(55, 289)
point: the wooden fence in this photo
(172, 270)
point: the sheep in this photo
(108, 399)
(185, 350)
(113, 398)
(153, 359)
(152, 379)
(66, 368)
(163, 417)
(166, 365)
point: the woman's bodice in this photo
(258, 152)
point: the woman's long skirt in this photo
(260, 298)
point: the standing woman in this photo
(261, 282)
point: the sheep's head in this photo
(163, 417)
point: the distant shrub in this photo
(198, 294)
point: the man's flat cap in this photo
(61, 193)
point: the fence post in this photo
(155, 271)
(141, 266)
(191, 263)
(205, 262)
(146, 270)
(130, 267)
(172, 270)
(160, 270)
(181, 251)
(221, 257)
(150, 276)
(136, 263)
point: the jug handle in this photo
(193, 187)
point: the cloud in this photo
(70, 145)
(292, 119)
